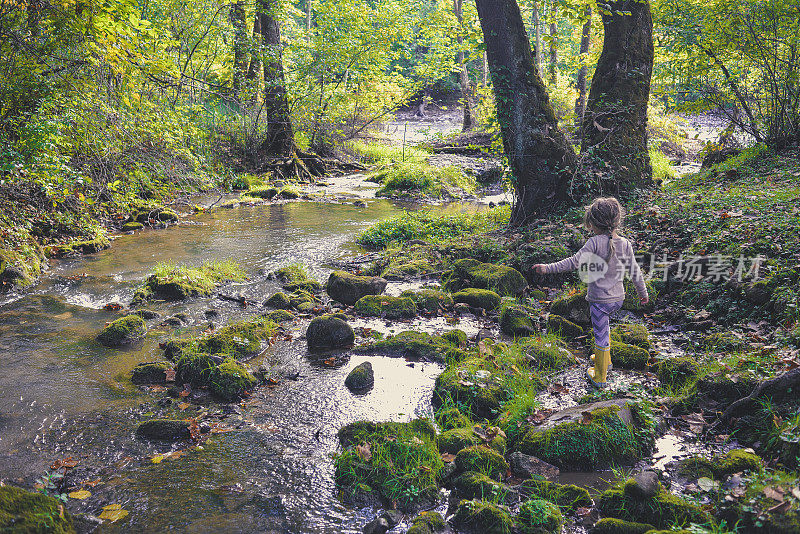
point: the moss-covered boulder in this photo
(517, 321)
(456, 439)
(385, 306)
(230, 380)
(23, 512)
(721, 467)
(455, 337)
(150, 373)
(164, 430)
(151, 215)
(478, 298)
(546, 355)
(429, 300)
(573, 307)
(266, 193)
(361, 378)
(451, 418)
(279, 301)
(179, 282)
(472, 485)
(538, 516)
(568, 497)
(626, 356)
(328, 333)
(591, 436)
(289, 193)
(82, 246)
(481, 459)
(349, 288)
(404, 270)
(361, 431)
(279, 316)
(419, 346)
(632, 334)
(427, 523)
(481, 517)
(131, 226)
(123, 331)
(610, 525)
(676, 372)
(472, 273)
(295, 277)
(563, 328)
(483, 396)
(661, 510)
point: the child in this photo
(602, 263)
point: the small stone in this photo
(205, 428)
(645, 485)
(379, 525)
(526, 466)
(361, 378)
(392, 517)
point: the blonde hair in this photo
(605, 214)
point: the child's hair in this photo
(605, 214)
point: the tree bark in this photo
(580, 81)
(552, 68)
(239, 23)
(484, 71)
(538, 152)
(466, 90)
(537, 30)
(615, 121)
(255, 55)
(280, 134)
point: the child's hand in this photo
(644, 300)
(539, 268)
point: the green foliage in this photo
(177, 282)
(662, 166)
(422, 180)
(34, 513)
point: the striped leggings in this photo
(600, 312)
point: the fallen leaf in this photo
(80, 494)
(364, 452)
(774, 493)
(706, 484)
(157, 458)
(583, 511)
(448, 458)
(587, 418)
(557, 389)
(183, 405)
(170, 375)
(780, 508)
(113, 513)
(796, 493)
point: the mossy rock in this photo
(195, 367)
(724, 342)
(676, 372)
(85, 246)
(328, 333)
(472, 485)
(467, 273)
(150, 373)
(358, 431)
(417, 345)
(451, 419)
(725, 388)
(562, 327)
(349, 288)
(181, 282)
(594, 436)
(481, 460)
(131, 226)
(481, 517)
(538, 516)
(573, 307)
(427, 523)
(267, 193)
(483, 400)
(546, 355)
(279, 316)
(516, 321)
(361, 378)
(385, 306)
(719, 468)
(123, 331)
(610, 525)
(23, 512)
(456, 439)
(295, 278)
(406, 270)
(478, 298)
(632, 334)
(568, 497)
(632, 303)
(289, 193)
(241, 339)
(455, 337)
(164, 430)
(626, 356)
(230, 380)
(279, 301)
(429, 300)
(662, 510)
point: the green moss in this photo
(456, 337)
(452, 418)
(417, 345)
(150, 373)
(294, 277)
(605, 440)
(516, 320)
(430, 300)
(289, 193)
(21, 257)
(279, 301)
(573, 307)
(632, 334)
(348, 288)
(123, 331)
(241, 339)
(547, 355)
(359, 431)
(427, 523)
(329, 332)
(482, 517)
(562, 327)
(663, 510)
(676, 372)
(478, 298)
(472, 485)
(267, 193)
(131, 226)
(172, 282)
(538, 516)
(626, 356)
(469, 273)
(279, 316)
(361, 377)
(481, 460)
(230, 380)
(632, 303)
(420, 179)
(398, 270)
(385, 306)
(724, 341)
(480, 396)
(735, 461)
(23, 512)
(610, 525)
(456, 439)
(86, 246)
(568, 497)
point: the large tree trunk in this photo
(615, 122)
(466, 91)
(583, 72)
(537, 150)
(239, 23)
(255, 55)
(552, 67)
(280, 135)
(537, 30)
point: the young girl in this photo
(602, 263)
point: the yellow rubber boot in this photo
(598, 374)
(610, 363)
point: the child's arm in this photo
(567, 264)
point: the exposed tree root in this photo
(307, 166)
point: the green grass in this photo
(420, 179)
(430, 225)
(386, 154)
(662, 166)
(175, 282)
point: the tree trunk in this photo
(255, 55)
(466, 91)
(239, 23)
(537, 30)
(615, 121)
(308, 20)
(538, 152)
(280, 135)
(552, 67)
(580, 82)
(484, 71)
